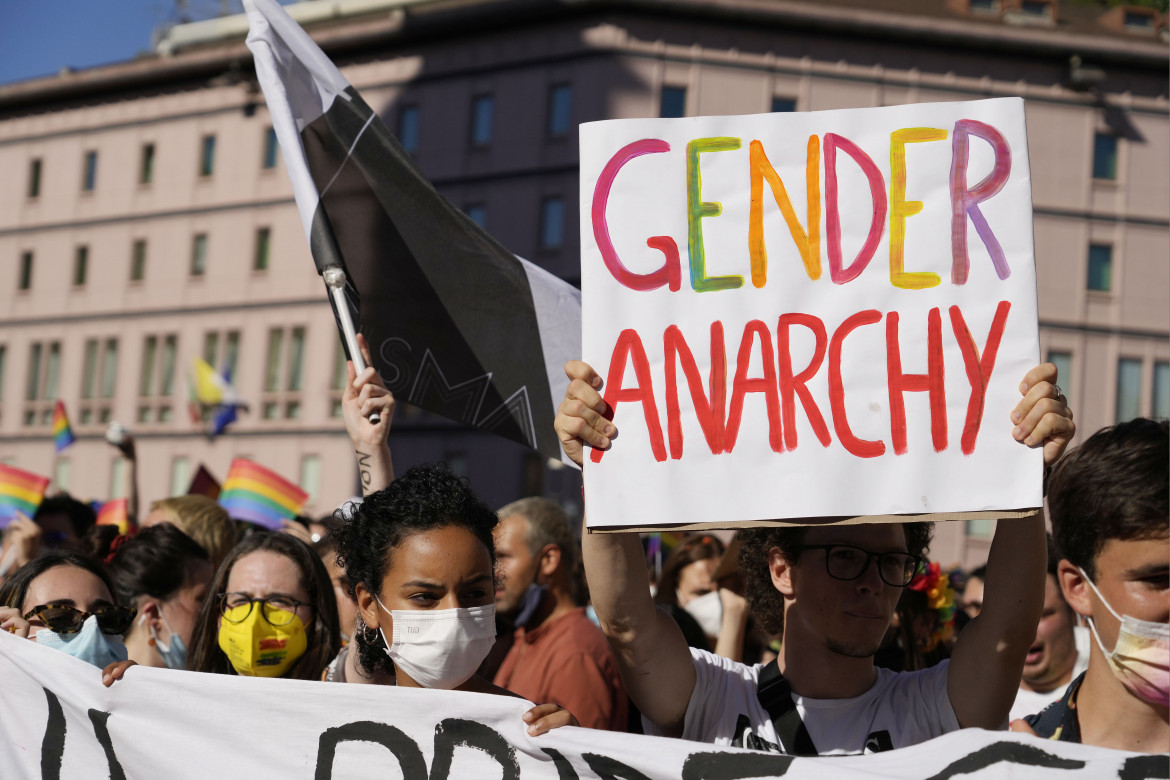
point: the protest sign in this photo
(810, 316)
(59, 721)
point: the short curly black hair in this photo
(767, 603)
(422, 499)
(1113, 486)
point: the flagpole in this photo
(335, 281)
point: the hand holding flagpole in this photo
(335, 281)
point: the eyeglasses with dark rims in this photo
(278, 609)
(846, 562)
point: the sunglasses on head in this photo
(68, 619)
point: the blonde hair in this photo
(204, 521)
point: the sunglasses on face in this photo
(68, 619)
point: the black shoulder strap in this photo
(775, 695)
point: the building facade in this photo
(145, 216)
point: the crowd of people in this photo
(806, 640)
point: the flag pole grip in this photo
(335, 281)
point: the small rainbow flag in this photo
(114, 512)
(253, 493)
(62, 433)
(20, 491)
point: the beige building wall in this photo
(731, 57)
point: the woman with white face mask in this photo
(165, 574)
(419, 561)
(64, 600)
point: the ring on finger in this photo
(1056, 391)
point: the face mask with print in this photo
(1141, 656)
(440, 648)
(174, 652)
(707, 610)
(256, 648)
(89, 644)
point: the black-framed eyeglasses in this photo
(68, 619)
(278, 610)
(846, 562)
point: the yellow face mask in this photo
(255, 647)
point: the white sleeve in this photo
(722, 688)
(933, 714)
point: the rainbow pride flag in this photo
(62, 433)
(115, 512)
(20, 491)
(253, 493)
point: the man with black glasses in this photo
(830, 592)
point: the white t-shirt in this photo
(901, 709)
(1030, 702)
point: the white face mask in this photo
(440, 648)
(1141, 656)
(707, 610)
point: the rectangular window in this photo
(476, 213)
(272, 366)
(1100, 267)
(207, 156)
(89, 369)
(138, 261)
(167, 378)
(199, 254)
(271, 149)
(33, 388)
(109, 368)
(61, 475)
(180, 475)
(560, 109)
(984, 5)
(672, 102)
(26, 271)
(1138, 21)
(482, 109)
(1038, 8)
(1129, 389)
(34, 178)
(408, 120)
(146, 377)
(211, 347)
(89, 172)
(296, 359)
(260, 258)
(118, 478)
(80, 265)
(311, 476)
(146, 164)
(3, 364)
(1161, 386)
(552, 222)
(231, 352)
(52, 371)
(1105, 156)
(1063, 363)
(783, 105)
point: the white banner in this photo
(58, 721)
(805, 315)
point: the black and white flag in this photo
(456, 323)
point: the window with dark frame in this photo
(24, 282)
(271, 149)
(672, 102)
(199, 254)
(89, 172)
(207, 156)
(80, 265)
(477, 213)
(34, 178)
(1129, 389)
(552, 222)
(560, 110)
(146, 165)
(1100, 268)
(783, 105)
(138, 260)
(408, 124)
(1105, 156)
(263, 241)
(482, 111)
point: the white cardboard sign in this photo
(809, 315)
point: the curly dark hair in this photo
(324, 633)
(1113, 486)
(423, 499)
(767, 603)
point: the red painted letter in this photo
(629, 348)
(711, 414)
(859, 447)
(670, 273)
(767, 385)
(932, 382)
(978, 368)
(790, 385)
